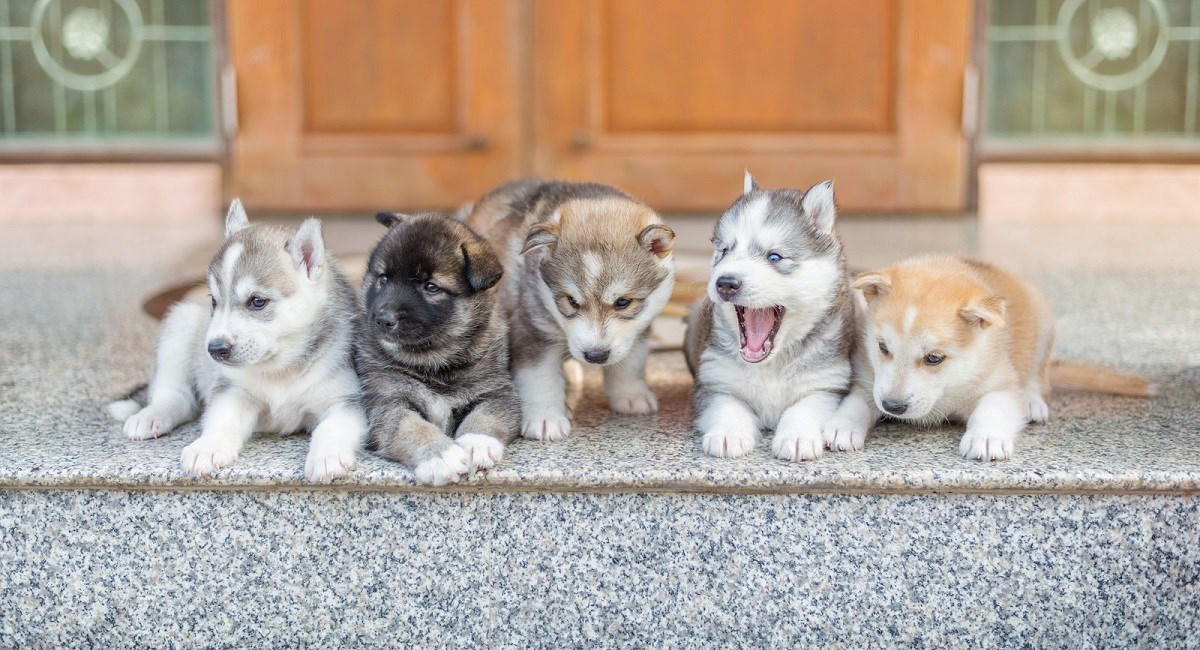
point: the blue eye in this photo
(775, 257)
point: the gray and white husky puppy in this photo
(588, 268)
(433, 352)
(274, 354)
(769, 345)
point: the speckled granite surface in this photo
(100, 568)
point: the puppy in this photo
(769, 345)
(273, 354)
(588, 268)
(433, 353)
(946, 338)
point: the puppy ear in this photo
(390, 219)
(873, 285)
(307, 248)
(985, 312)
(657, 239)
(236, 218)
(539, 235)
(819, 205)
(748, 184)
(482, 265)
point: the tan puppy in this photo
(946, 338)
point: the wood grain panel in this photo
(379, 65)
(747, 65)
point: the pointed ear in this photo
(819, 205)
(236, 218)
(482, 265)
(307, 247)
(985, 312)
(390, 219)
(541, 234)
(873, 285)
(657, 239)
(748, 184)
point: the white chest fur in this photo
(768, 388)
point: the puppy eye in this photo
(381, 279)
(214, 301)
(934, 359)
(621, 303)
(432, 288)
(774, 257)
(256, 303)
(572, 302)
(884, 349)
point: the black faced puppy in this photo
(433, 351)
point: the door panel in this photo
(373, 104)
(671, 99)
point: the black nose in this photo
(727, 286)
(220, 349)
(386, 322)
(596, 355)
(894, 407)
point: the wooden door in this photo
(369, 104)
(670, 99)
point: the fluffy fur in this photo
(433, 352)
(588, 268)
(945, 338)
(272, 355)
(769, 345)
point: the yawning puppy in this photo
(272, 355)
(946, 338)
(588, 269)
(433, 353)
(769, 345)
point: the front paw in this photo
(207, 455)
(327, 463)
(843, 434)
(547, 426)
(797, 446)
(638, 400)
(146, 423)
(1036, 409)
(483, 451)
(982, 446)
(444, 467)
(729, 442)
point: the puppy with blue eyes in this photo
(769, 345)
(433, 351)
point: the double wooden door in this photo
(427, 103)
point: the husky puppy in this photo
(769, 345)
(433, 353)
(588, 268)
(946, 338)
(273, 354)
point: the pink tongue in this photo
(758, 324)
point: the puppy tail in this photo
(1082, 376)
(125, 407)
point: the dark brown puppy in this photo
(433, 352)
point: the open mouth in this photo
(758, 329)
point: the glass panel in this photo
(1112, 71)
(134, 73)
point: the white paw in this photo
(843, 434)
(728, 443)
(443, 468)
(797, 445)
(483, 451)
(639, 401)
(122, 410)
(551, 425)
(207, 455)
(327, 462)
(147, 423)
(1037, 409)
(981, 446)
